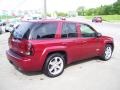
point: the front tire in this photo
(107, 52)
(54, 65)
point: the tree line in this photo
(113, 9)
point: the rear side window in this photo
(69, 30)
(34, 30)
(44, 30)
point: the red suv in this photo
(49, 45)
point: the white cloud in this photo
(67, 5)
(9, 4)
(31, 5)
(52, 5)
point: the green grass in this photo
(6, 17)
(109, 18)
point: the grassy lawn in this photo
(109, 18)
(6, 17)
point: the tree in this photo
(90, 11)
(80, 10)
(61, 14)
(104, 10)
(116, 7)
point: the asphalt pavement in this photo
(92, 74)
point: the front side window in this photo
(87, 31)
(69, 30)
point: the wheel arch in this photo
(110, 43)
(64, 53)
(57, 51)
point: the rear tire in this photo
(54, 65)
(107, 52)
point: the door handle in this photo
(84, 41)
(64, 43)
(80, 42)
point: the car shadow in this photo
(83, 61)
(32, 73)
(72, 64)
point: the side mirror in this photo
(98, 35)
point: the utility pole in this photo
(45, 9)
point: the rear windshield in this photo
(33, 31)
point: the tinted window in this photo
(22, 30)
(87, 31)
(69, 30)
(44, 30)
(29, 30)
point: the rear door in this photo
(69, 35)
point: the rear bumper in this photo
(22, 63)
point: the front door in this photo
(88, 42)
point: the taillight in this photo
(10, 41)
(29, 49)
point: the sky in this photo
(52, 5)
